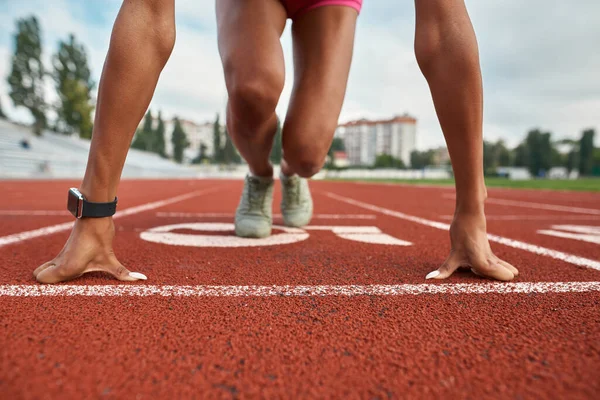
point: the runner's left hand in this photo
(470, 248)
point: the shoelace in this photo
(254, 193)
(292, 192)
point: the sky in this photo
(540, 62)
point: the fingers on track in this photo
(42, 267)
(494, 269)
(451, 264)
(51, 272)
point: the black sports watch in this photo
(81, 208)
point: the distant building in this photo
(196, 134)
(340, 159)
(365, 139)
(441, 156)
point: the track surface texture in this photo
(339, 309)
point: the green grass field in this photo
(583, 184)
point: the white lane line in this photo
(575, 236)
(48, 230)
(558, 255)
(589, 234)
(33, 212)
(587, 229)
(539, 206)
(343, 229)
(525, 217)
(230, 215)
(301, 290)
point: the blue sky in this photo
(540, 62)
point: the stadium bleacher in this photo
(24, 155)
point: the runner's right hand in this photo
(89, 248)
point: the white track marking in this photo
(364, 234)
(587, 229)
(33, 212)
(302, 290)
(165, 235)
(230, 215)
(525, 217)
(539, 206)
(374, 238)
(570, 258)
(343, 229)
(589, 234)
(48, 230)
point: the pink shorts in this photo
(295, 8)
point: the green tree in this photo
(276, 150)
(336, 145)
(144, 137)
(230, 155)
(521, 155)
(586, 152)
(539, 148)
(179, 140)
(490, 158)
(421, 159)
(2, 115)
(557, 159)
(504, 154)
(596, 160)
(201, 154)
(74, 87)
(572, 162)
(26, 79)
(387, 161)
(217, 149)
(158, 144)
(495, 155)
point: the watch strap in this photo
(99, 210)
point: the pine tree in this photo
(276, 151)
(74, 86)
(586, 152)
(336, 145)
(159, 137)
(217, 150)
(230, 155)
(143, 137)
(201, 154)
(26, 79)
(539, 147)
(572, 162)
(2, 115)
(179, 140)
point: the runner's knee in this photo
(305, 145)
(253, 92)
(306, 167)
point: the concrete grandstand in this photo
(25, 156)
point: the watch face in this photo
(74, 201)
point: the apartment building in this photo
(365, 139)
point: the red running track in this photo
(405, 340)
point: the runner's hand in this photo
(471, 249)
(89, 248)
